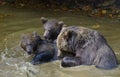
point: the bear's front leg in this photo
(42, 57)
(70, 61)
(60, 54)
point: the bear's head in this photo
(52, 28)
(66, 39)
(29, 42)
(72, 38)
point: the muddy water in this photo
(14, 62)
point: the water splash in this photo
(3, 54)
(6, 48)
(28, 69)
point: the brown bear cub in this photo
(52, 28)
(83, 46)
(43, 50)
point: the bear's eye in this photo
(64, 36)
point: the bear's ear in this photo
(60, 23)
(69, 34)
(44, 20)
(34, 34)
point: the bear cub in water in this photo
(43, 50)
(52, 28)
(83, 46)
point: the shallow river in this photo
(14, 62)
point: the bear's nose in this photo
(29, 49)
(29, 52)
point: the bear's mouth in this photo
(29, 52)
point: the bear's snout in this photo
(46, 35)
(29, 50)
